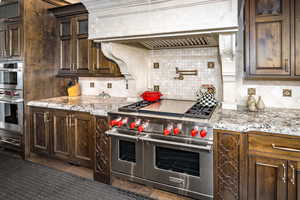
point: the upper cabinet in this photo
(271, 49)
(79, 56)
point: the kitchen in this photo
(167, 99)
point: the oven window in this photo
(9, 78)
(11, 113)
(127, 151)
(178, 161)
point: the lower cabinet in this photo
(63, 134)
(229, 165)
(102, 170)
(274, 167)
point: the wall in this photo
(169, 59)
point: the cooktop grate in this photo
(135, 107)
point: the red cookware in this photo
(151, 96)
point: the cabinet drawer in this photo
(274, 145)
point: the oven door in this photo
(11, 116)
(11, 79)
(126, 153)
(184, 166)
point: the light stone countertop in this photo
(90, 104)
(279, 121)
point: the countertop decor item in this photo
(151, 96)
(73, 89)
(260, 105)
(206, 96)
(251, 103)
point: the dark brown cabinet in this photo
(10, 40)
(40, 139)
(79, 56)
(271, 50)
(63, 134)
(273, 167)
(102, 166)
(229, 165)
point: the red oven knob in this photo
(195, 131)
(143, 126)
(203, 133)
(176, 131)
(167, 132)
(122, 122)
(134, 124)
(115, 122)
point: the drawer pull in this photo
(285, 148)
(293, 174)
(284, 173)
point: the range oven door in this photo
(127, 154)
(184, 166)
(11, 116)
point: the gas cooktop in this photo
(169, 107)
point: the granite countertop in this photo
(279, 121)
(91, 104)
(275, 120)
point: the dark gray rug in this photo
(24, 180)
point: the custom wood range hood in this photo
(127, 30)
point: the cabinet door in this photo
(269, 41)
(61, 135)
(267, 179)
(82, 139)
(40, 127)
(3, 42)
(81, 44)
(100, 65)
(66, 52)
(102, 162)
(14, 40)
(297, 37)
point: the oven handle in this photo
(12, 102)
(199, 147)
(114, 133)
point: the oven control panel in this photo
(161, 126)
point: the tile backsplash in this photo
(168, 60)
(184, 59)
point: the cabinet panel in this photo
(40, 131)
(267, 179)
(268, 7)
(269, 36)
(61, 136)
(14, 40)
(82, 54)
(269, 40)
(297, 37)
(102, 164)
(83, 139)
(3, 42)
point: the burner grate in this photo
(135, 107)
(201, 112)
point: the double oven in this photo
(179, 165)
(11, 102)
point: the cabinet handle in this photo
(46, 117)
(286, 64)
(284, 173)
(293, 174)
(285, 148)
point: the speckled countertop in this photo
(275, 120)
(280, 121)
(91, 104)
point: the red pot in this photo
(151, 96)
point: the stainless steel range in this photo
(166, 144)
